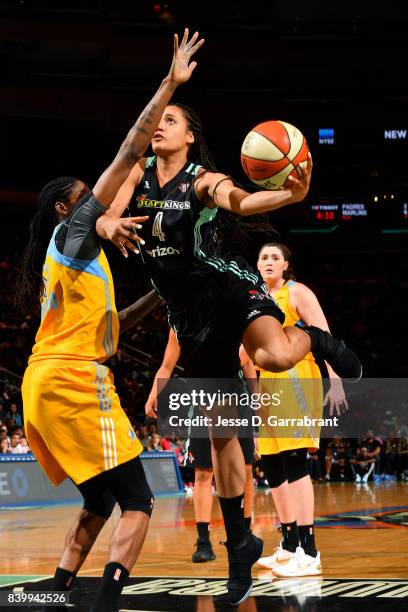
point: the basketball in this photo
(271, 153)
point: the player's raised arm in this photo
(140, 135)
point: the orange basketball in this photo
(271, 153)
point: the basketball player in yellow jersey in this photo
(285, 459)
(74, 422)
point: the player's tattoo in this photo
(146, 118)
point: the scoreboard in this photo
(343, 211)
(376, 213)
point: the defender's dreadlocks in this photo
(42, 225)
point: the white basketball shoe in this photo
(301, 564)
(279, 557)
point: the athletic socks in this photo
(290, 536)
(203, 531)
(113, 581)
(247, 521)
(62, 580)
(233, 518)
(307, 539)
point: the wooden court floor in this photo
(362, 532)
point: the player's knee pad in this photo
(97, 499)
(296, 464)
(274, 469)
(132, 490)
(140, 500)
(100, 508)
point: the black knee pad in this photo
(275, 469)
(295, 463)
(97, 498)
(130, 487)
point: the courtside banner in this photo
(287, 407)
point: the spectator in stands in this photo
(337, 453)
(389, 458)
(10, 424)
(3, 433)
(166, 444)
(373, 446)
(24, 445)
(155, 443)
(143, 436)
(4, 446)
(15, 415)
(15, 443)
(362, 465)
(395, 458)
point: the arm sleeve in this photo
(82, 241)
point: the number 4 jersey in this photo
(173, 232)
(211, 300)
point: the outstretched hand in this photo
(181, 69)
(300, 187)
(122, 232)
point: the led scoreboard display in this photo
(353, 210)
(383, 212)
(344, 211)
(325, 212)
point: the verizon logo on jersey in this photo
(162, 251)
(143, 202)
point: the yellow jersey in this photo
(282, 296)
(303, 393)
(78, 313)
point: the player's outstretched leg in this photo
(276, 349)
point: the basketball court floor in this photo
(362, 532)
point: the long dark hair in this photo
(287, 256)
(29, 280)
(198, 151)
(230, 234)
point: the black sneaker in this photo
(342, 359)
(240, 560)
(203, 553)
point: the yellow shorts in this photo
(74, 422)
(302, 395)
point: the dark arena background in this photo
(74, 77)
